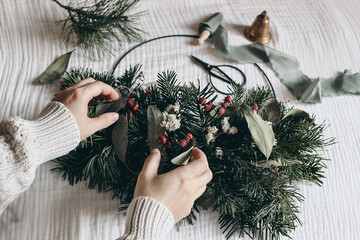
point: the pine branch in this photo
(95, 26)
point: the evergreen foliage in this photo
(253, 196)
(94, 26)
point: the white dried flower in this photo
(212, 129)
(219, 152)
(170, 122)
(232, 130)
(177, 107)
(165, 114)
(209, 137)
(171, 117)
(225, 124)
(175, 124)
(169, 107)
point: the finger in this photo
(103, 121)
(202, 180)
(100, 89)
(198, 162)
(151, 164)
(82, 83)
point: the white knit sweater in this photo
(24, 145)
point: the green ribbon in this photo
(285, 67)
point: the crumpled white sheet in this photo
(323, 35)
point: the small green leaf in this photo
(154, 117)
(270, 163)
(296, 113)
(184, 157)
(271, 111)
(56, 69)
(113, 106)
(120, 138)
(261, 132)
(279, 163)
(150, 84)
(207, 199)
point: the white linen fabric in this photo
(323, 35)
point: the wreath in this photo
(257, 148)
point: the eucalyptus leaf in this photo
(270, 163)
(232, 111)
(213, 112)
(150, 84)
(120, 138)
(113, 106)
(296, 113)
(279, 163)
(56, 69)
(154, 117)
(261, 131)
(271, 111)
(184, 157)
(207, 199)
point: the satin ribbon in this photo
(285, 67)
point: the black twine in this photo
(189, 36)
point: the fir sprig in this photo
(95, 26)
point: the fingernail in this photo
(115, 117)
(155, 150)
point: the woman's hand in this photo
(177, 189)
(76, 98)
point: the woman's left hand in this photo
(77, 97)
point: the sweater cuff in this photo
(56, 131)
(52, 134)
(147, 219)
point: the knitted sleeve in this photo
(24, 145)
(147, 219)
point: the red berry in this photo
(162, 139)
(130, 101)
(224, 104)
(168, 144)
(148, 94)
(228, 99)
(182, 143)
(202, 101)
(189, 136)
(208, 106)
(255, 107)
(136, 106)
(220, 111)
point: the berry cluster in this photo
(207, 106)
(182, 143)
(131, 106)
(221, 110)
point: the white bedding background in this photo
(323, 35)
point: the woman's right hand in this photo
(177, 189)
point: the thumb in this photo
(152, 163)
(103, 121)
